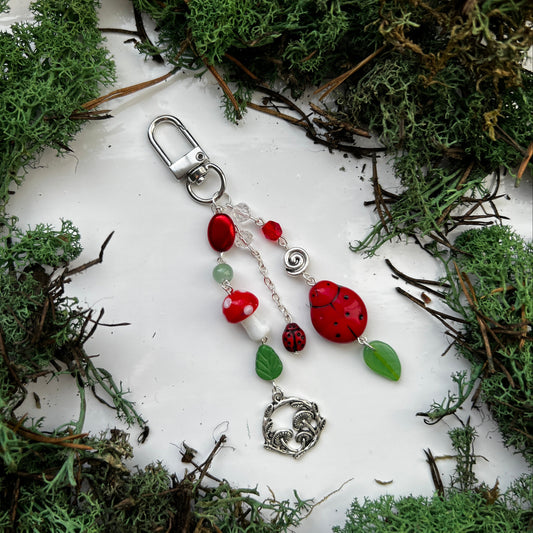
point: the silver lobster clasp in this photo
(194, 165)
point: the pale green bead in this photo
(222, 272)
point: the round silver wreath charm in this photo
(307, 424)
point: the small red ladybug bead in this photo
(293, 338)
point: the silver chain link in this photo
(268, 282)
(310, 280)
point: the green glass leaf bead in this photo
(383, 360)
(222, 272)
(268, 365)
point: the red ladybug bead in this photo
(337, 313)
(221, 232)
(293, 337)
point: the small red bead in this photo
(293, 338)
(272, 230)
(221, 232)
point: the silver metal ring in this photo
(217, 195)
(307, 424)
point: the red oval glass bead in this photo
(221, 232)
(272, 230)
(337, 313)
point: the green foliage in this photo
(50, 514)
(223, 508)
(455, 400)
(312, 29)
(489, 285)
(499, 266)
(108, 496)
(23, 296)
(461, 508)
(301, 42)
(50, 67)
(446, 94)
(460, 512)
(445, 145)
(43, 332)
(464, 478)
(490, 38)
(451, 100)
(40, 246)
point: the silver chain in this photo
(268, 282)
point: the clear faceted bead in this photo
(243, 239)
(241, 212)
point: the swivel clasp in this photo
(194, 165)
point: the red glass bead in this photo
(272, 230)
(337, 313)
(221, 232)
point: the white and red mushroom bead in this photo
(239, 308)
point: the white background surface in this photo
(190, 372)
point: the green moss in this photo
(447, 93)
(24, 283)
(458, 513)
(499, 266)
(301, 42)
(465, 506)
(50, 67)
(489, 286)
(438, 133)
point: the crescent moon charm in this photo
(307, 424)
(296, 261)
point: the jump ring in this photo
(214, 197)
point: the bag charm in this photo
(337, 313)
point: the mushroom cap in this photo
(239, 305)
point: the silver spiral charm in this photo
(296, 261)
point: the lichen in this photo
(489, 288)
(440, 84)
(498, 267)
(452, 108)
(464, 505)
(50, 67)
(460, 511)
